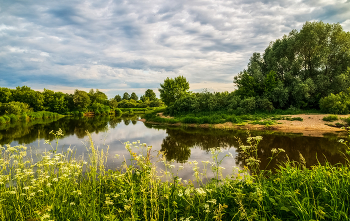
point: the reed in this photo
(63, 186)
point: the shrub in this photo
(24, 117)
(204, 120)
(189, 120)
(2, 120)
(7, 118)
(248, 105)
(118, 112)
(330, 118)
(296, 118)
(334, 104)
(13, 118)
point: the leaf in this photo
(284, 208)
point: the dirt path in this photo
(312, 125)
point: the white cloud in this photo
(131, 45)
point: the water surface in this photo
(182, 145)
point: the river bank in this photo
(310, 125)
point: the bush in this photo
(7, 118)
(335, 104)
(330, 118)
(13, 118)
(118, 112)
(248, 105)
(24, 117)
(2, 120)
(189, 120)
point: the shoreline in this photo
(312, 125)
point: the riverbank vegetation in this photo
(24, 99)
(62, 186)
(304, 71)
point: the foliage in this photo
(300, 68)
(63, 184)
(98, 97)
(55, 101)
(330, 118)
(118, 98)
(14, 107)
(81, 99)
(336, 103)
(5, 95)
(173, 89)
(126, 96)
(149, 93)
(134, 96)
(25, 94)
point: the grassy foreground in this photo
(62, 186)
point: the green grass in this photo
(63, 186)
(330, 118)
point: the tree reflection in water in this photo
(180, 143)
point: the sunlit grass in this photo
(63, 186)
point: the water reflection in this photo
(179, 144)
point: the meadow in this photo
(64, 186)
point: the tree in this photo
(126, 96)
(81, 99)
(5, 95)
(134, 96)
(150, 94)
(25, 94)
(300, 68)
(55, 101)
(118, 98)
(173, 89)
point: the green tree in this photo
(25, 94)
(81, 99)
(55, 101)
(126, 96)
(5, 95)
(149, 93)
(173, 89)
(300, 68)
(118, 98)
(134, 96)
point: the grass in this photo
(6, 119)
(330, 118)
(220, 117)
(63, 186)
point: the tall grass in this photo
(63, 186)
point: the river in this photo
(179, 144)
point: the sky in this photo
(120, 46)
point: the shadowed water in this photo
(179, 144)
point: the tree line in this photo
(306, 69)
(24, 99)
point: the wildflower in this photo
(341, 141)
(213, 201)
(180, 193)
(281, 150)
(188, 191)
(72, 203)
(47, 142)
(26, 188)
(69, 149)
(181, 167)
(54, 179)
(172, 166)
(12, 192)
(274, 150)
(45, 216)
(201, 192)
(32, 194)
(206, 207)
(229, 155)
(48, 184)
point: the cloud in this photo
(128, 45)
